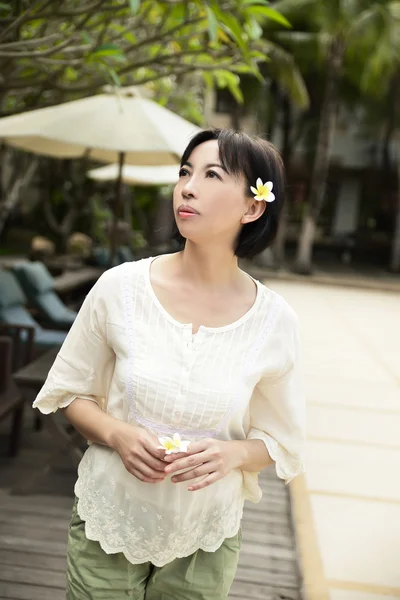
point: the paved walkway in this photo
(347, 506)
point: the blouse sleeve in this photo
(84, 366)
(278, 413)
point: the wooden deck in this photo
(33, 532)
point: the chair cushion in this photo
(48, 338)
(17, 315)
(10, 291)
(55, 311)
(34, 277)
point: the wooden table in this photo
(31, 379)
(70, 281)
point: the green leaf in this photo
(71, 74)
(114, 76)
(271, 14)
(86, 38)
(109, 51)
(209, 80)
(130, 37)
(234, 29)
(253, 28)
(226, 79)
(212, 24)
(134, 6)
(104, 48)
(4, 6)
(235, 90)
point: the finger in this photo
(154, 463)
(175, 456)
(154, 450)
(211, 478)
(200, 446)
(187, 462)
(141, 477)
(193, 473)
(145, 470)
(150, 442)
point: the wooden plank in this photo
(265, 517)
(23, 544)
(19, 591)
(32, 533)
(270, 539)
(266, 550)
(268, 527)
(37, 522)
(29, 576)
(53, 507)
(35, 500)
(269, 577)
(243, 591)
(31, 559)
(282, 564)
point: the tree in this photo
(56, 50)
(339, 26)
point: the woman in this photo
(182, 371)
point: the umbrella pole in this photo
(116, 211)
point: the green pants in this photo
(94, 575)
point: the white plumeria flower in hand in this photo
(173, 445)
(263, 191)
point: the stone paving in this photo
(347, 506)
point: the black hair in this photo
(252, 157)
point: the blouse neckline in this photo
(148, 262)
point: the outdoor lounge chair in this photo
(38, 286)
(13, 311)
(125, 254)
(101, 256)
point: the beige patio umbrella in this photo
(111, 127)
(136, 175)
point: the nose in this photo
(189, 189)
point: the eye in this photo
(212, 175)
(183, 172)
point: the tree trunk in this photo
(322, 157)
(14, 194)
(395, 258)
(235, 116)
(279, 245)
(304, 251)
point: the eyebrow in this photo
(189, 164)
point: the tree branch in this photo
(35, 42)
(21, 20)
(47, 52)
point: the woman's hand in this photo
(210, 458)
(139, 453)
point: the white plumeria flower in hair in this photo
(263, 191)
(173, 445)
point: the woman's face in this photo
(208, 202)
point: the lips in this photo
(187, 210)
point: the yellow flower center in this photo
(169, 445)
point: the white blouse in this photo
(237, 382)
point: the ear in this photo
(254, 211)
